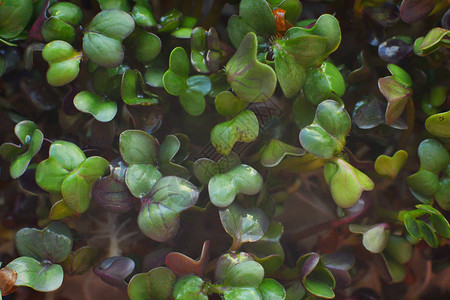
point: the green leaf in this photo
(433, 156)
(93, 168)
(76, 192)
(397, 96)
(326, 26)
(346, 182)
(140, 178)
(50, 175)
(412, 226)
(271, 289)
(399, 249)
(24, 130)
(423, 184)
(168, 151)
(64, 16)
(171, 20)
(179, 62)
(146, 46)
(376, 238)
(258, 14)
(143, 16)
(14, 17)
(396, 270)
(251, 80)
(390, 166)
(440, 224)
(428, 234)
(438, 124)
(442, 195)
(102, 109)
(243, 179)
(325, 137)
(321, 83)
(303, 50)
(189, 287)
(245, 274)
(205, 169)
(114, 4)
(156, 284)
(242, 128)
(20, 164)
(291, 75)
(400, 75)
(316, 285)
(227, 104)
(52, 243)
(138, 147)
(60, 210)
(242, 293)
(42, 277)
(67, 154)
(134, 90)
(159, 215)
(64, 62)
(193, 102)
(80, 261)
(274, 152)
(244, 225)
(237, 29)
(102, 41)
(431, 42)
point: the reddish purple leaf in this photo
(182, 265)
(414, 10)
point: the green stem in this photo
(212, 288)
(235, 246)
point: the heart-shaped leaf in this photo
(323, 82)
(42, 277)
(64, 62)
(114, 270)
(205, 169)
(423, 184)
(346, 182)
(274, 152)
(64, 16)
(243, 179)
(189, 287)
(244, 225)
(251, 80)
(438, 124)
(156, 284)
(159, 215)
(31, 138)
(390, 166)
(102, 41)
(142, 14)
(242, 128)
(183, 265)
(112, 194)
(325, 137)
(134, 90)
(227, 104)
(138, 147)
(52, 243)
(300, 48)
(175, 78)
(80, 261)
(60, 210)
(14, 17)
(102, 109)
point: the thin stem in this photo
(410, 116)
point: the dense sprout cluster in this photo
(300, 148)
